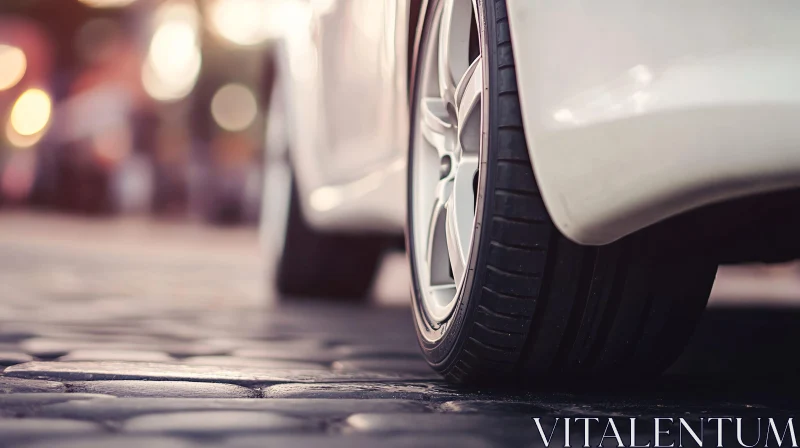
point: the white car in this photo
(567, 203)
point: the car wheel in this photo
(300, 261)
(314, 264)
(498, 293)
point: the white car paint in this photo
(634, 111)
(347, 107)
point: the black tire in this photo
(314, 264)
(535, 305)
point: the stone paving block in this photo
(54, 348)
(363, 441)
(115, 441)
(10, 358)
(10, 347)
(508, 407)
(117, 355)
(491, 406)
(158, 330)
(42, 399)
(164, 389)
(437, 423)
(13, 332)
(173, 328)
(521, 406)
(409, 349)
(406, 365)
(194, 348)
(18, 430)
(303, 350)
(234, 340)
(403, 391)
(120, 370)
(269, 364)
(45, 347)
(218, 423)
(29, 404)
(10, 385)
(123, 408)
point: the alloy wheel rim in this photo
(446, 157)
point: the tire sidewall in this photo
(442, 346)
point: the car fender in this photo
(638, 111)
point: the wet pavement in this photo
(114, 334)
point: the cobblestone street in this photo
(123, 334)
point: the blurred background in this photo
(134, 124)
(136, 107)
(128, 120)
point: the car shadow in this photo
(740, 358)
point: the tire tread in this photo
(548, 307)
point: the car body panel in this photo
(343, 70)
(633, 112)
(637, 111)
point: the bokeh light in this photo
(174, 60)
(239, 21)
(234, 107)
(13, 65)
(29, 117)
(252, 22)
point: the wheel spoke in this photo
(453, 45)
(468, 103)
(451, 289)
(461, 214)
(438, 260)
(434, 124)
